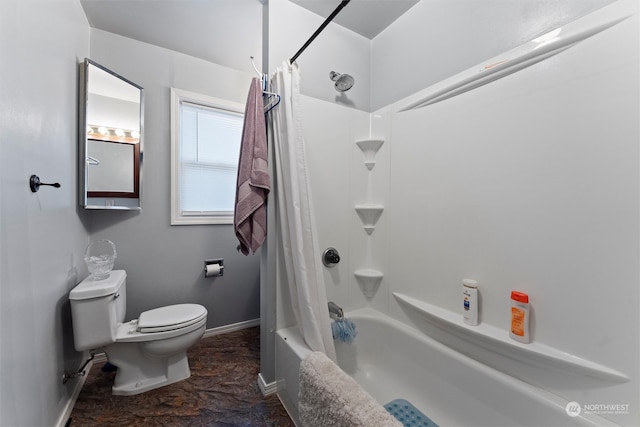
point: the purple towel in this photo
(250, 216)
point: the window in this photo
(205, 147)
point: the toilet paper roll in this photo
(212, 270)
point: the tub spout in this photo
(335, 309)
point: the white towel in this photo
(330, 397)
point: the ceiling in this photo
(197, 27)
(366, 17)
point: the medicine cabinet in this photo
(110, 139)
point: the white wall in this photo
(42, 236)
(335, 122)
(532, 183)
(335, 49)
(336, 179)
(439, 38)
(529, 183)
(340, 181)
(164, 263)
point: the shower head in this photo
(343, 82)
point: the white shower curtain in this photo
(295, 215)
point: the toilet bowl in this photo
(150, 351)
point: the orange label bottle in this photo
(519, 330)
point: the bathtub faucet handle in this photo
(330, 257)
(336, 309)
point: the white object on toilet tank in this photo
(97, 307)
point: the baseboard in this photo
(231, 328)
(68, 408)
(265, 388)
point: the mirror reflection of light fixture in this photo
(105, 133)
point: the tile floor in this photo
(222, 391)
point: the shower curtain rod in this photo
(342, 4)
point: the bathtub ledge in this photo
(496, 339)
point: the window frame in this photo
(178, 97)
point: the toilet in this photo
(150, 351)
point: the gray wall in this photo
(164, 263)
(42, 235)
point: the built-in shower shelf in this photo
(369, 280)
(369, 215)
(514, 60)
(497, 339)
(370, 147)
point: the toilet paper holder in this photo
(218, 261)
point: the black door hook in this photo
(34, 183)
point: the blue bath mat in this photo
(408, 414)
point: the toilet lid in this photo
(171, 317)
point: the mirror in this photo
(111, 134)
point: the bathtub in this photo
(391, 360)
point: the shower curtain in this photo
(295, 215)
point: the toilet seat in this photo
(177, 321)
(170, 317)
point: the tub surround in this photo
(391, 360)
(520, 184)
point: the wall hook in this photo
(34, 183)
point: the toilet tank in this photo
(97, 307)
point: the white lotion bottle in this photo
(470, 302)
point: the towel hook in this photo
(263, 78)
(256, 68)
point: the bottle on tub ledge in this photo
(519, 330)
(470, 302)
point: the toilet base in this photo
(176, 371)
(147, 373)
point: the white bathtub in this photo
(391, 360)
